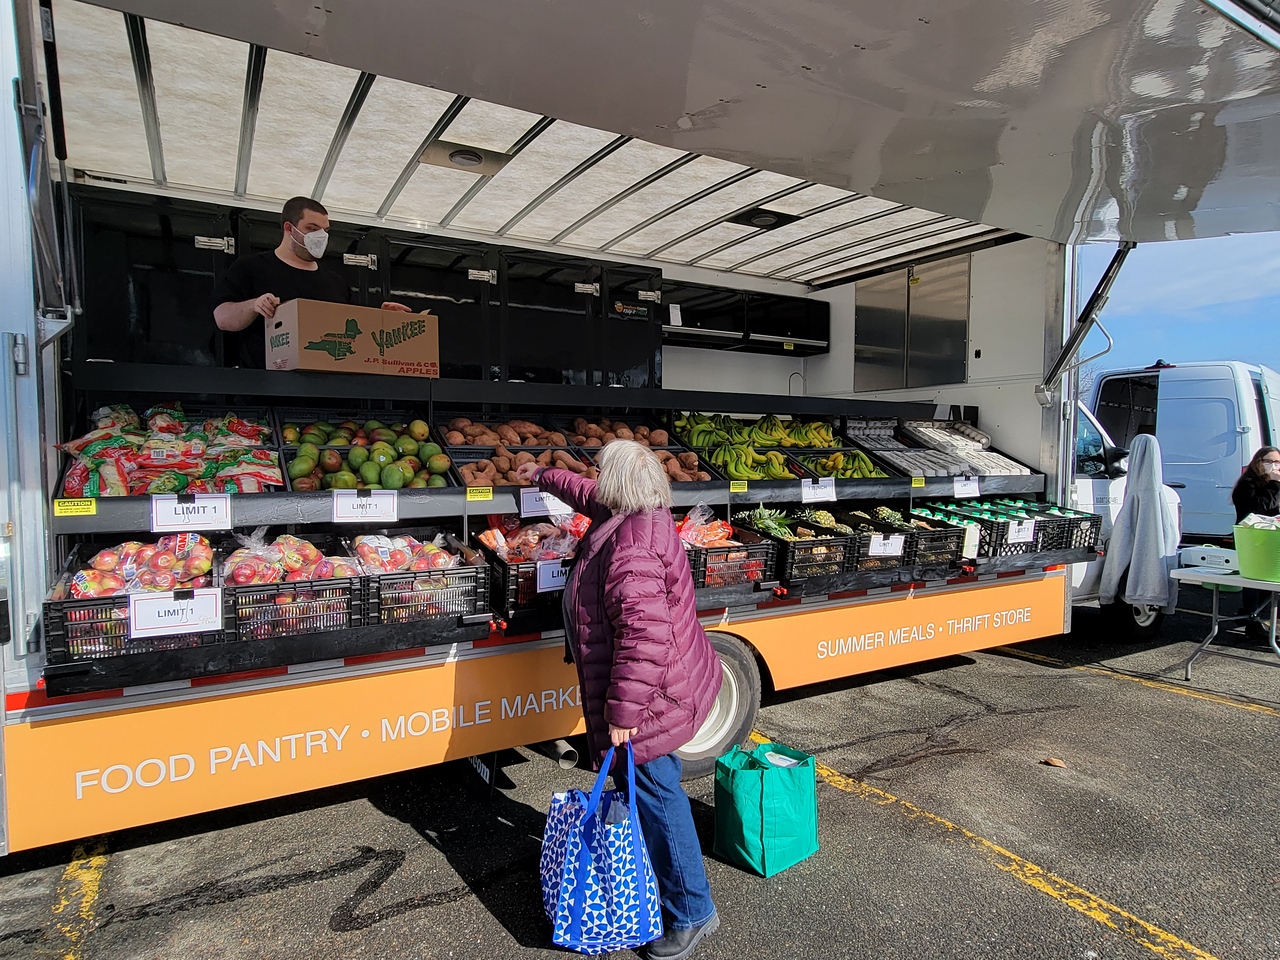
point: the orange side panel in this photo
(802, 648)
(83, 776)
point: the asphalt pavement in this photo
(1151, 832)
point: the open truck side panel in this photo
(622, 190)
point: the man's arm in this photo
(238, 314)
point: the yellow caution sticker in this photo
(737, 486)
(917, 481)
(78, 507)
(479, 493)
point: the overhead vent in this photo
(763, 219)
(460, 156)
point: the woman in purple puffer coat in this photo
(647, 671)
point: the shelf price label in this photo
(479, 493)
(173, 513)
(966, 486)
(890, 546)
(361, 506)
(535, 503)
(1024, 532)
(917, 483)
(552, 575)
(822, 491)
(737, 486)
(179, 611)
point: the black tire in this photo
(1134, 621)
(734, 714)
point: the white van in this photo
(1098, 487)
(1209, 417)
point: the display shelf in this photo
(133, 514)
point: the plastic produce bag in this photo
(766, 807)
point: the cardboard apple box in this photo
(339, 337)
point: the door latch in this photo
(367, 260)
(224, 244)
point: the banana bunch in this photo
(850, 465)
(741, 462)
(813, 433)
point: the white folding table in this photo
(1215, 581)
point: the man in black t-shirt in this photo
(254, 286)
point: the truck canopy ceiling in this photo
(664, 129)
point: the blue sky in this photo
(1189, 300)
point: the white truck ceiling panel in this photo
(389, 128)
(490, 126)
(199, 90)
(302, 102)
(100, 95)
(1042, 118)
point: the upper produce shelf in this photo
(133, 514)
(174, 380)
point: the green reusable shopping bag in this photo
(766, 807)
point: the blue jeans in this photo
(666, 820)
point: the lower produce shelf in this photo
(241, 656)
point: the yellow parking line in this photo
(1158, 941)
(1153, 684)
(78, 896)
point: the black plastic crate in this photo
(943, 546)
(752, 562)
(271, 610)
(994, 537)
(874, 547)
(514, 587)
(800, 559)
(460, 592)
(1066, 530)
(99, 627)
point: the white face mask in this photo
(314, 242)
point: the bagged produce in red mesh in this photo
(700, 528)
(175, 562)
(379, 554)
(538, 541)
(166, 417)
(576, 525)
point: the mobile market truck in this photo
(706, 226)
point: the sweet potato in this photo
(593, 431)
(642, 433)
(689, 461)
(557, 440)
(579, 440)
(523, 458)
(658, 438)
(474, 429)
(592, 442)
(544, 458)
(509, 436)
(503, 464)
(511, 475)
(622, 433)
(664, 455)
(459, 424)
(454, 438)
(672, 467)
(703, 476)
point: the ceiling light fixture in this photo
(466, 158)
(764, 219)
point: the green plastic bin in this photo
(1258, 553)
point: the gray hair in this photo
(631, 478)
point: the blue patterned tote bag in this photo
(598, 886)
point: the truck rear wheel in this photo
(733, 714)
(1137, 621)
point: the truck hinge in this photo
(484, 276)
(367, 260)
(653, 296)
(591, 288)
(21, 355)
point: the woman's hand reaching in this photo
(526, 471)
(621, 735)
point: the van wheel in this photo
(1137, 621)
(732, 715)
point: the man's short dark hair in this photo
(296, 208)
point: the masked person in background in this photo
(254, 286)
(1257, 491)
